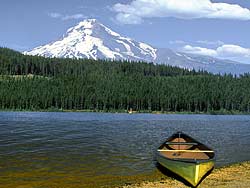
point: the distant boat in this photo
(130, 111)
(186, 157)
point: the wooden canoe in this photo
(186, 157)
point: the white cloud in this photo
(66, 17)
(177, 42)
(128, 18)
(54, 15)
(74, 17)
(203, 42)
(213, 43)
(137, 10)
(233, 51)
(225, 51)
(199, 50)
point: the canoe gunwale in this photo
(197, 161)
(194, 161)
(193, 140)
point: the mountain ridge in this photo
(93, 40)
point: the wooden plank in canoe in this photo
(184, 150)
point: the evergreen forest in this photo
(40, 84)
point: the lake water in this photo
(39, 149)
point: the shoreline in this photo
(133, 112)
(231, 176)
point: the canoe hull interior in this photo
(191, 172)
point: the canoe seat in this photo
(184, 155)
(177, 144)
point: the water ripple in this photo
(118, 144)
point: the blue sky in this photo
(218, 28)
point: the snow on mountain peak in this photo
(90, 26)
(88, 23)
(84, 25)
(91, 39)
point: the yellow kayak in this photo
(186, 157)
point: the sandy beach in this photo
(234, 176)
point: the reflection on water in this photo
(79, 148)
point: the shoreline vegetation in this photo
(220, 112)
(232, 176)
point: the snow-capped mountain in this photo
(91, 39)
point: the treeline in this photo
(38, 83)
